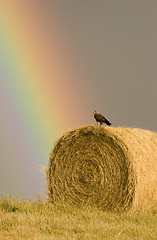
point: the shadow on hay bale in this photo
(110, 168)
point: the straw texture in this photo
(110, 168)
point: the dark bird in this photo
(100, 118)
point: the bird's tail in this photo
(108, 123)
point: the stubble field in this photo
(21, 219)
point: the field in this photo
(108, 175)
(21, 219)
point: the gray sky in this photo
(114, 44)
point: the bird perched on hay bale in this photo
(101, 119)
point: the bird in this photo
(100, 118)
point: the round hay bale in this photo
(110, 168)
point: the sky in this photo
(59, 61)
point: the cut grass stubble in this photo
(21, 219)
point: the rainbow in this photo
(40, 98)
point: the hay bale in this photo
(110, 168)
